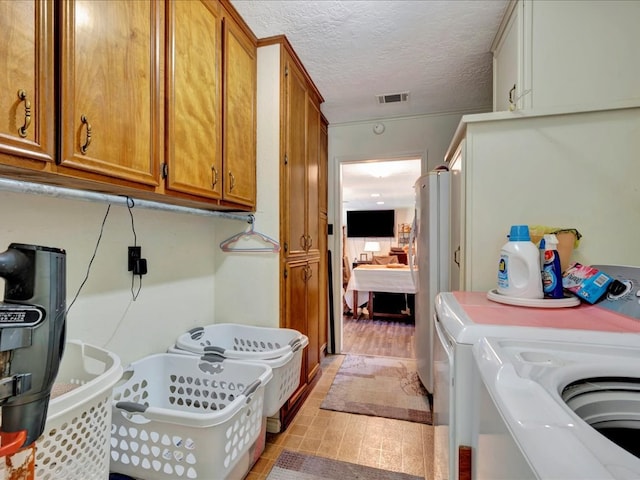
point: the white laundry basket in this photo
(243, 342)
(183, 416)
(76, 439)
(280, 348)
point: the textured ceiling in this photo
(438, 51)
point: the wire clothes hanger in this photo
(229, 245)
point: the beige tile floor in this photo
(373, 441)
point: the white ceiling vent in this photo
(393, 97)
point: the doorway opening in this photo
(375, 187)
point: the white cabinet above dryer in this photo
(571, 170)
(567, 55)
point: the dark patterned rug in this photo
(381, 387)
(298, 466)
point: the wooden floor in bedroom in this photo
(379, 337)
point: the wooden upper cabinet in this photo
(295, 163)
(313, 175)
(239, 121)
(134, 105)
(110, 94)
(194, 98)
(323, 171)
(27, 81)
(211, 104)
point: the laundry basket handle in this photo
(214, 349)
(295, 344)
(196, 333)
(132, 407)
(212, 357)
(251, 388)
(211, 363)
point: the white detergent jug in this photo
(519, 266)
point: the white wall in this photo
(355, 246)
(426, 137)
(403, 215)
(248, 290)
(177, 293)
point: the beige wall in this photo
(426, 137)
(177, 293)
(249, 291)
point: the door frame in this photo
(335, 218)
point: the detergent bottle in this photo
(519, 267)
(551, 272)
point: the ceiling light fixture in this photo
(379, 169)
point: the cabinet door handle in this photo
(303, 241)
(214, 176)
(232, 181)
(456, 256)
(87, 142)
(309, 242)
(307, 273)
(512, 103)
(22, 131)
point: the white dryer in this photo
(556, 410)
(461, 320)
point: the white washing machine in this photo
(461, 320)
(556, 410)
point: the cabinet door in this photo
(313, 280)
(323, 302)
(323, 166)
(295, 165)
(313, 176)
(295, 300)
(26, 83)
(506, 64)
(110, 95)
(239, 121)
(457, 219)
(194, 92)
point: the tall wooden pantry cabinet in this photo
(302, 140)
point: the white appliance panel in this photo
(443, 366)
(432, 262)
(526, 430)
(454, 415)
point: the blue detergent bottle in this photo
(551, 272)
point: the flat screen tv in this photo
(370, 223)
